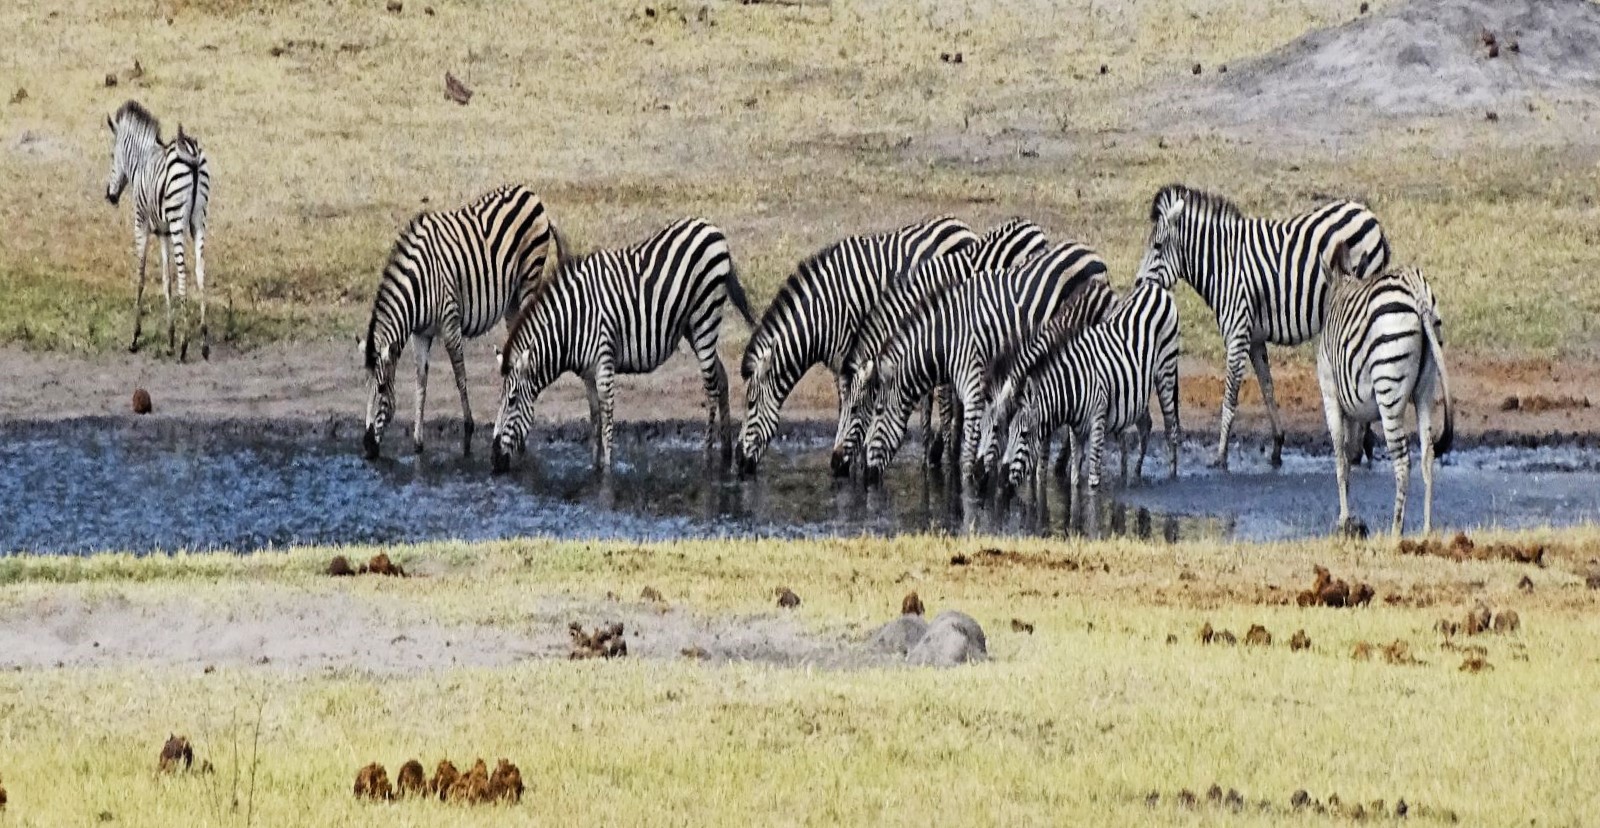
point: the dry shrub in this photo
(911, 604)
(412, 781)
(695, 652)
(1187, 799)
(176, 751)
(506, 783)
(1300, 641)
(473, 788)
(1478, 620)
(340, 567)
(652, 595)
(1328, 591)
(372, 782)
(1361, 595)
(1258, 636)
(1011, 557)
(1505, 621)
(444, 778)
(1399, 652)
(1475, 664)
(1362, 651)
(1462, 548)
(1224, 637)
(2, 796)
(381, 565)
(604, 642)
(786, 598)
(1020, 626)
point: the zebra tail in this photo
(553, 264)
(1446, 439)
(737, 296)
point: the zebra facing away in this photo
(452, 274)
(818, 312)
(953, 341)
(1266, 280)
(622, 312)
(171, 184)
(1009, 243)
(1098, 384)
(1381, 350)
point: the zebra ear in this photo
(1177, 207)
(110, 125)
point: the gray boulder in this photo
(953, 638)
(898, 636)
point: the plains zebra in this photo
(171, 188)
(1266, 280)
(819, 310)
(953, 340)
(452, 274)
(1380, 350)
(1099, 383)
(1007, 244)
(622, 312)
(1088, 307)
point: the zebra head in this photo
(891, 410)
(134, 132)
(1003, 399)
(1023, 442)
(519, 388)
(762, 401)
(861, 387)
(1161, 255)
(379, 361)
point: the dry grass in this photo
(788, 126)
(1073, 723)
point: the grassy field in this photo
(1074, 723)
(327, 126)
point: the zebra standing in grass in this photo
(1380, 350)
(1265, 280)
(452, 274)
(818, 312)
(171, 187)
(622, 312)
(1097, 384)
(1088, 307)
(953, 340)
(1007, 244)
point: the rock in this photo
(953, 638)
(412, 781)
(141, 401)
(898, 636)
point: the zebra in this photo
(1088, 307)
(819, 310)
(1011, 242)
(1265, 280)
(622, 312)
(953, 340)
(171, 184)
(1098, 383)
(452, 274)
(1381, 349)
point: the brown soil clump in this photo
(412, 781)
(1475, 664)
(506, 783)
(604, 642)
(1011, 557)
(175, 752)
(786, 598)
(1300, 641)
(372, 782)
(340, 567)
(381, 565)
(1539, 403)
(444, 778)
(1258, 636)
(1020, 626)
(959, 559)
(473, 788)
(141, 401)
(1463, 548)
(911, 604)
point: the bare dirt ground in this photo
(323, 381)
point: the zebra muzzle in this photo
(499, 458)
(841, 463)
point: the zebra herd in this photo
(1008, 337)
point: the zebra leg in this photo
(199, 229)
(1425, 433)
(971, 430)
(605, 387)
(182, 274)
(1339, 432)
(1167, 392)
(715, 378)
(166, 290)
(1097, 445)
(939, 438)
(422, 346)
(927, 429)
(454, 346)
(141, 251)
(1238, 347)
(1258, 358)
(1399, 444)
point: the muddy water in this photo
(90, 485)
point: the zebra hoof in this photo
(205, 352)
(873, 477)
(369, 444)
(840, 463)
(499, 459)
(1353, 527)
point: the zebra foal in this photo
(171, 184)
(1381, 349)
(622, 312)
(1265, 280)
(452, 274)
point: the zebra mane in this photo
(1192, 198)
(762, 336)
(136, 115)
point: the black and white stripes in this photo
(171, 184)
(452, 274)
(622, 312)
(1265, 280)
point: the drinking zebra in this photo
(1007, 244)
(1089, 306)
(818, 312)
(953, 340)
(1098, 383)
(171, 184)
(1380, 350)
(1266, 280)
(452, 274)
(622, 312)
